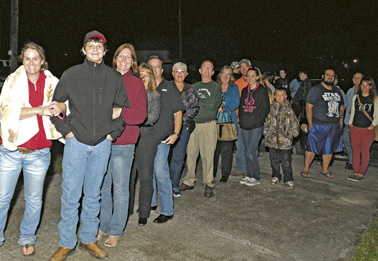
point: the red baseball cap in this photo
(94, 34)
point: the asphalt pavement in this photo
(321, 219)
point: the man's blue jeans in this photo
(84, 167)
(178, 157)
(348, 143)
(163, 181)
(251, 139)
(34, 166)
(240, 153)
(113, 217)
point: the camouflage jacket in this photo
(281, 126)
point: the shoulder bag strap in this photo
(362, 108)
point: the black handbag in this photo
(190, 126)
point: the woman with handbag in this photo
(363, 126)
(226, 114)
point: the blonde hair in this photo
(40, 51)
(144, 67)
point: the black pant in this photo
(283, 156)
(145, 152)
(224, 148)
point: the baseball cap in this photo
(235, 64)
(94, 34)
(246, 61)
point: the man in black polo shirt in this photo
(169, 127)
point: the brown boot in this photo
(94, 250)
(208, 191)
(62, 253)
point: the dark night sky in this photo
(294, 32)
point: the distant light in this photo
(65, 54)
(355, 60)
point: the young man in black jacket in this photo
(93, 91)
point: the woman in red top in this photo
(114, 213)
(25, 111)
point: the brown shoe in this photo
(237, 172)
(62, 253)
(208, 191)
(94, 250)
(183, 187)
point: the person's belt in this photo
(25, 150)
(204, 122)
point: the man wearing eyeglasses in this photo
(190, 99)
(325, 116)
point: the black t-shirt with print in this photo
(360, 120)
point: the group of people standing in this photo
(120, 123)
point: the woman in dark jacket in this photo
(147, 145)
(254, 106)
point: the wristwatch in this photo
(177, 134)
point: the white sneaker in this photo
(244, 180)
(252, 182)
(290, 184)
(275, 181)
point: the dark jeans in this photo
(178, 157)
(145, 152)
(224, 148)
(283, 156)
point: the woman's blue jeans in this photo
(34, 166)
(251, 139)
(113, 215)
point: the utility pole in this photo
(13, 36)
(180, 32)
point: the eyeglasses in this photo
(226, 74)
(179, 71)
(330, 75)
(126, 57)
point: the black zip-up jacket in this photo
(92, 90)
(253, 115)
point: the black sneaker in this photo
(352, 177)
(359, 177)
(348, 166)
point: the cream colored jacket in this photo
(15, 96)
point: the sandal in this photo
(327, 174)
(100, 235)
(112, 241)
(25, 248)
(305, 174)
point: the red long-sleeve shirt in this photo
(137, 113)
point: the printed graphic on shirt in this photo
(367, 107)
(203, 93)
(250, 101)
(333, 100)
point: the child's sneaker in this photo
(275, 181)
(252, 182)
(244, 180)
(289, 184)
